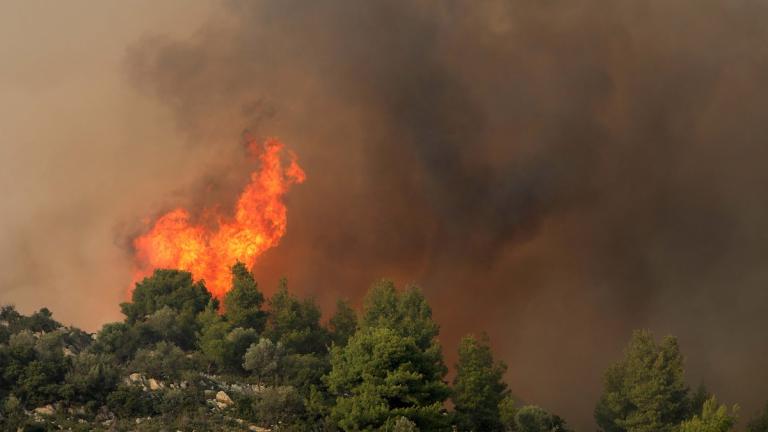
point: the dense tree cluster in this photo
(180, 360)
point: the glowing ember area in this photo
(208, 250)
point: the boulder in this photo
(155, 385)
(134, 377)
(223, 398)
(46, 410)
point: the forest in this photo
(182, 360)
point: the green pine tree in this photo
(645, 390)
(713, 418)
(478, 388)
(392, 367)
(343, 323)
(242, 304)
(295, 323)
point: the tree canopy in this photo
(172, 288)
(645, 391)
(712, 418)
(243, 303)
(478, 388)
(391, 367)
(179, 361)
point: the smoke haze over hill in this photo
(554, 173)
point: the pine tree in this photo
(644, 391)
(172, 288)
(242, 304)
(712, 418)
(342, 324)
(295, 323)
(478, 388)
(392, 366)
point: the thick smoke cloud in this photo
(555, 173)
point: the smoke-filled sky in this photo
(554, 173)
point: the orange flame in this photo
(258, 223)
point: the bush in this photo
(165, 361)
(131, 401)
(273, 405)
(91, 378)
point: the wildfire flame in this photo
(208, 250)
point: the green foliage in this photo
(383, 372)
(171, 326)
(40, 383)
(12, 417)
(131, 401)
(281, 405)
(239, 340)
(222, 346)
(645, 391)
(382, 306)
(41, 321)
(759, 423)
(295, 323)
(697, 399)
(91, 378)
(391, 367)
(11, 322)
(304, 370)
(177, 402)
(478, 388)
(264, 360)
(507, 413)
(381, 375)
(164, 361)
(34, 367)
(116, 339)
(242, 304)
(713, 418)
(213, 342)
(172, 288)
(408, 314)
(534, 419)
(343, 323)
(400, 424)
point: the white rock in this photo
(223, 398)
(134, 377)
(155, 385)
(45, 410)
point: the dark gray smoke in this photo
(556, 173)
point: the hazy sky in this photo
(555, 173)
(75, 141)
